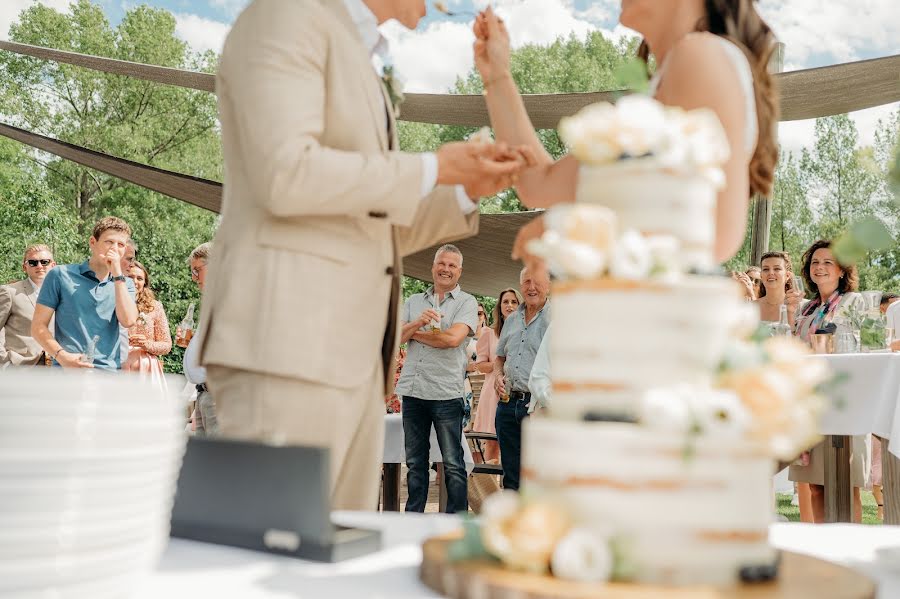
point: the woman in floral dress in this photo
(150, 337)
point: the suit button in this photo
(375, 214)
(389, 270)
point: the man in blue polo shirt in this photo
(89, 300)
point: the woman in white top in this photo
(712, 54)
(777, 288)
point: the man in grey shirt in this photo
(518, 345)
(436, 324)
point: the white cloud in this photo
(10, 10)
(835, 31)
(430, 60)
(200, 33)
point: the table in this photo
(866, 402)
(189, 569)
(395, 455)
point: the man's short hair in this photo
(133, 245)
(37, 247)
(450, 249)
(201, 252)
(110, 223)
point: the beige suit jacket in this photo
(318, 210)
(17, 302)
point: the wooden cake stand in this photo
(799, 576)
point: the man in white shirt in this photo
(539, 382)
(204, 417)
(893, 322)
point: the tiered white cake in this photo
(653, 442)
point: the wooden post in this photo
(390, 488)
(762, 206)
(838, 493)
(890, 481)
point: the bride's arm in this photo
(699, 74)
(550, 182)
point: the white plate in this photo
(65, 568)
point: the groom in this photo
(319, 207)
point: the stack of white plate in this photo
(88, 466)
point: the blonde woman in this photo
(150, 337)
(507, 303)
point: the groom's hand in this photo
(481, 168)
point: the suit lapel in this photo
(371, 82)
(30, 291)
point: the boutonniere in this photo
(394, 87)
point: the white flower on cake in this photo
(667, 409)
(720, 413)
(522, 536)
(640, 127)
(580, 242)
(582, 556)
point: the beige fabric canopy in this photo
(809, 93)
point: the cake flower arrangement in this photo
(643, 130)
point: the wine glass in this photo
(798, 285)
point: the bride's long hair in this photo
(738, 21)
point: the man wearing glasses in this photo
(17, 302)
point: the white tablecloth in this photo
(395, 450)
(197, 570)
(867, 401)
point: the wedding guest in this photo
(17, 303)
(507, 303)
(833, 286)
(516, 350)
(150, 337)
(755, 274)
(392, 403)
(887, 300)
(777, 288)
(90, 300)
(892, 316)
(127, 261)
(205, 420)
(472, 354)
(746, 284)
(436, 324)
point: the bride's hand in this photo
(491, 46)
(533, 230)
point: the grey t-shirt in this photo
(429, 372)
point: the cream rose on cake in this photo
(640, 128)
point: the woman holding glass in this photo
(777, 288)
(149, 338)
(472, 353)
(507, 303)
(833, 286)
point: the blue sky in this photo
(816, 33)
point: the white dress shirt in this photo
(893, 319)
(194, 373)
(367, 25)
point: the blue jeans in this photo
(447, 417)
(508, 423)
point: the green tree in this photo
(44, 199)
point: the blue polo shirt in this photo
(85, 306)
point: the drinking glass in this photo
(798, 285)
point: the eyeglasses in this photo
(42, 262)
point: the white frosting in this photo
(695, 519)
(613, 339)
(652, 201)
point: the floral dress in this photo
(155, 327)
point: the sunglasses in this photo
(42, 262)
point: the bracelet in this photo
(57, 353)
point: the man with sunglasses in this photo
(17, 301)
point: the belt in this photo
(201, 388)
(520, 396)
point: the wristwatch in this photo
(119, 278)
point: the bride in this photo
(710, 54)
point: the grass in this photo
(792, 512)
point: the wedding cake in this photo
(654, 462)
